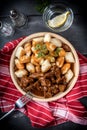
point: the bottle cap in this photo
(14, 13)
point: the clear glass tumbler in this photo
(54, 10)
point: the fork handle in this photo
(7, 114)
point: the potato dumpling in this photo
(69, 57)
(62, 52)
(30, 67)
(50, 58)
(38, 69)
(60, 61)
(33, 60)
(18, 64)
(45, 66)
(27, 48)
(21, 73)
(50, 46)
(65, 68)
(47, 38)
(24, 59)
(34, 50)
(38, 39)
(41, 61)
(20, 52)
(69, 75)
(56, 42)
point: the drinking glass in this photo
(54, 10)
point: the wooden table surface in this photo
(76, 34)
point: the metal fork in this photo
(19, 103)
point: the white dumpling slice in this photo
(21, 73)
(56, 42)
(27, 48)
(45, 66)
(30, 67)
(47, 38)
(38, 39)
(69, 57)
(69, 75)
(41, 61)
(20, 52)
(18, 64)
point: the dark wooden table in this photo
(76, 34)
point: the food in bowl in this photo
(45, 66)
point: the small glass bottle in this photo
(6, 29)
(18, 19)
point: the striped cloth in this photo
(42, 114)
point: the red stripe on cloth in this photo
(72, 114)
(9, 95)
(5, 77)
(11, 89)
(4, 83)
(11, 45)
(76, 119)
(77, 108)
(36, 107)
(78, 112)
(82, 57)
(5, 106)
(4, 56)
(4, 70)
(82, 78)
(4, 61)
(80, 90)
(81, 61)
(44, 117)
(75, 97)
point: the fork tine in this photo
(26, 97)
(23, 100)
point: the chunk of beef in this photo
(36, 75)
(62, 87)
(66, 47)
(45, 82)
(23, 82)
(49, 74)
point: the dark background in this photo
(76, 34)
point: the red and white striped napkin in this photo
(44, 114)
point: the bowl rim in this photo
(72, 83)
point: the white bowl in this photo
(75, 70)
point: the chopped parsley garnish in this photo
(38, 47)
(56, 52)
(40, 54)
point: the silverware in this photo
(21, 102)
